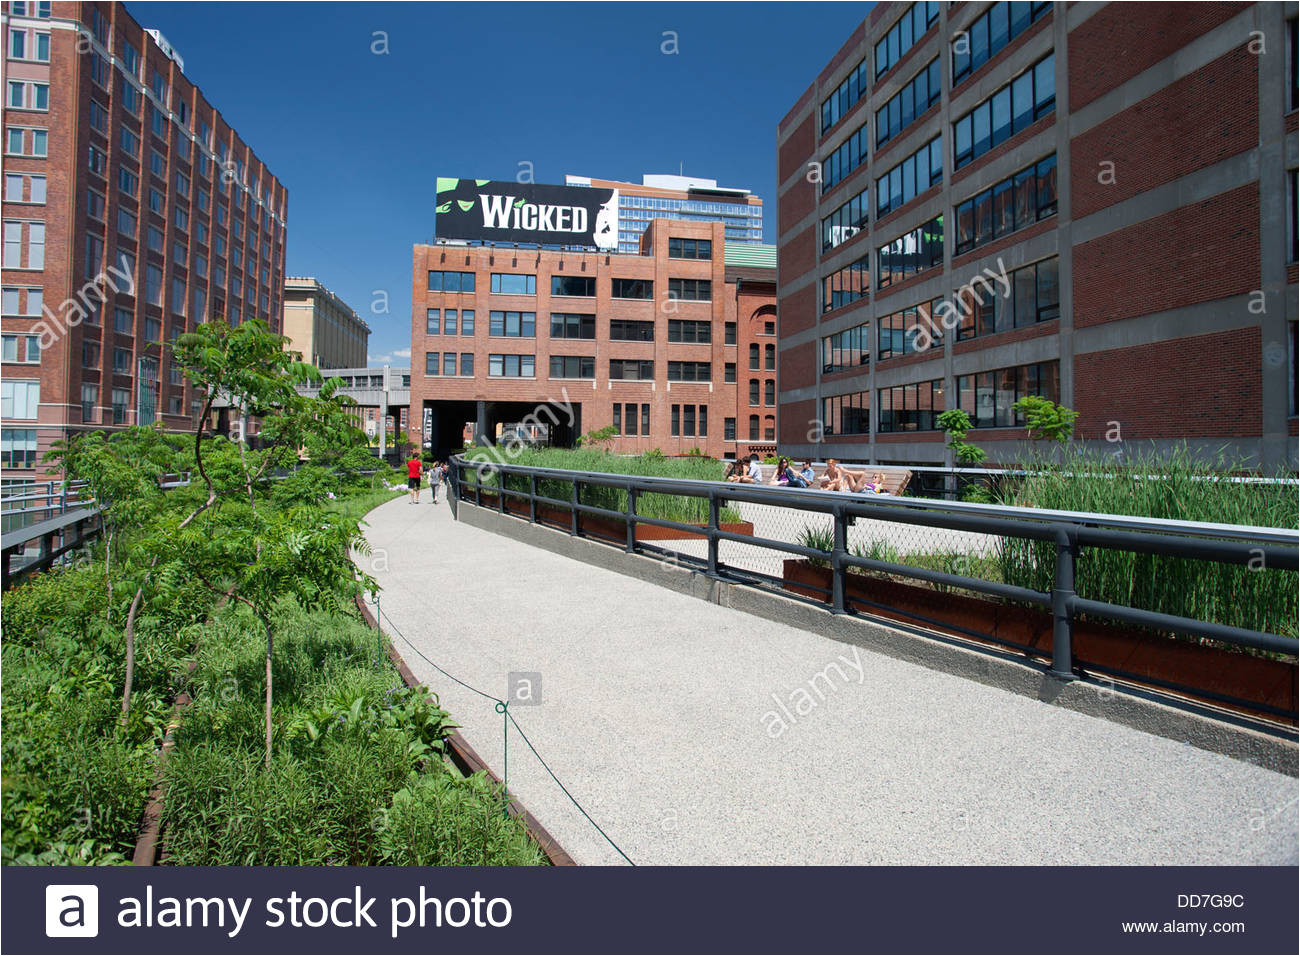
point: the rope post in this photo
(503, 708)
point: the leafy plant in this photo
(1046, 419)
(956, 424)
(599, 438)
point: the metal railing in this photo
(1263, 549)
(19, 511)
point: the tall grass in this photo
(681, 508)
(1175, 487)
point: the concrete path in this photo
(696, 734)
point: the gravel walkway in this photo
(696, 734)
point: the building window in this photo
(908, 331)
(573, 286)
(639, 370)
(753, 356)
(769, 357)
(89, 353)
(988, 397)
(1013, 203)
(153, 285)
(18, 447)
(89, 402)
(448, 363)
(19, 399)
(910, 408)
(690, 290)
(632, 288)
(729, 373)
(728, 429)
(21, 349)
(753, 391)
(753, 428)
(729, 331)
(466, 321)
(432, 322)
(449, 322)
(846, 285)
(645, 419)
(769, 393)
(846, 414)
(1293, 213)
(846, 349)
(505, 283)
(990, 33)
(94, 255)
(438, 281)
(27, 141)
(618, 418)
(573, 366)
(121, 402)
(910, 253)
(628, 330)
(904, 34)
(690, 248)
(845, 158)
(1034, 296)
(513, 325)
(690, 371)
(921, 92)
(467, 363)
(846, 95)
(431, 363)
(14, 188)
(910, 178)
(696, 333)
(121, 361)
(510, 366)
(570, 325)
(846, 222)
(1028, 97)
(129, 96)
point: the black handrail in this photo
(1261, 548)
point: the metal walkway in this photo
(697, 734)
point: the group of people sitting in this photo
(747, 471)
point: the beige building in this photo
(322, 326)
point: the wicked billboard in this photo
(491, 211)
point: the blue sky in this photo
(473, 90)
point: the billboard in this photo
(487, 210)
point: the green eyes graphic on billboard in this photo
(492, 211)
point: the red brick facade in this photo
(743, 296)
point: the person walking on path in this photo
(435, 479)
(413, 469)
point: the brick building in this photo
(132, 211)
(674, 346)
(1123, 176)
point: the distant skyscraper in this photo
(680, 197)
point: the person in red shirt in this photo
(413, 470)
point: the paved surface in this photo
(663, 715)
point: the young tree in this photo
(238, 545)
(1046, 419)
(956, 424)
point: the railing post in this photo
(478, 488)
(1067, 552)
(573, 513)
(532, 498)
(631, 518)
(715, 509)
(501, 490)
(839, 548)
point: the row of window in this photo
(846, 349)
(690, 248)
(847, 157)
(990, 32)
(685, 419)
(568, 366)
(28, 95)
(19, 398)
(845, 222)
(1028, 97)
(846, 285)
(21, 349)
(626, 418)
(910, 253)
(898, 332)
(904, 34)
(27, 44)
(1035, 296)
(24, 188)
(445, 363)
(769, 392)
(1014, 203)
(910, 178)
(24, 244)
(506, 283)
(918, 95)
(846, 95)
(987, 397)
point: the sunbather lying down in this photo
(839, 478)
